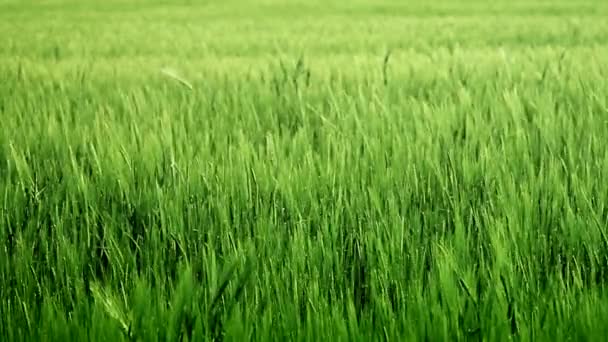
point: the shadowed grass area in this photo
(347, 172)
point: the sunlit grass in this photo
(358, 172)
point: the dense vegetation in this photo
(303, 171)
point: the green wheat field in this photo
(303, 170)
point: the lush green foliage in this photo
(310, 171)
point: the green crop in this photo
(273, 170)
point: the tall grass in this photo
(336, 192)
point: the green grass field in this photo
(303, 170)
